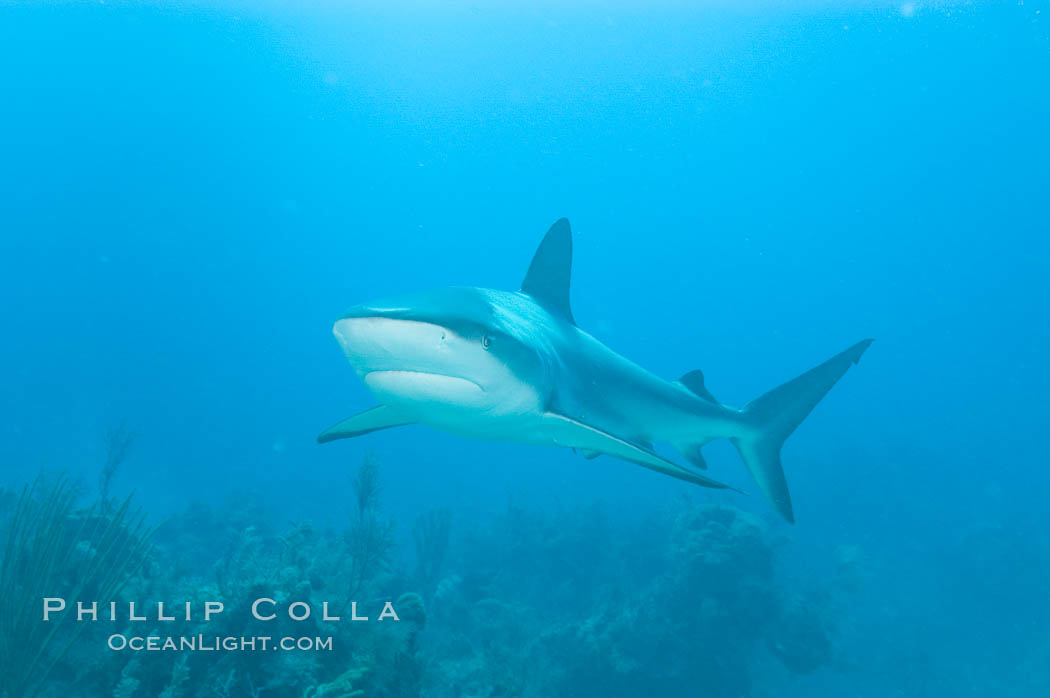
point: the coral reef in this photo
(571, 605)
(526, 603)
(341, 687)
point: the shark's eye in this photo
(486, 341)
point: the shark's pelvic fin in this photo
(694, 381)
(547, 280)
(776, 414)
(379, 417)
(575, 434)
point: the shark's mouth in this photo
(422, 384)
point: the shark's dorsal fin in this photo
(547, 280)
(694, 381)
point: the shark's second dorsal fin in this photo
(694, 381)
(547, 280)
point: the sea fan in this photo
(54, 550)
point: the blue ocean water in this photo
(191, 193)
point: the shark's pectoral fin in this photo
(575, 434)
(379, 417)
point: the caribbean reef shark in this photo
(513, 366)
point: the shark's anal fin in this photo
(575, 434)
(379, 417)
(547, 279)
(691, 452)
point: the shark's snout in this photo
(358, 336)
(376, 343)
(409, 362)
(423, 361)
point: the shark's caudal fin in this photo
(775, 415)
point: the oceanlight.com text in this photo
(215, 643)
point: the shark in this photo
(514, 366)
